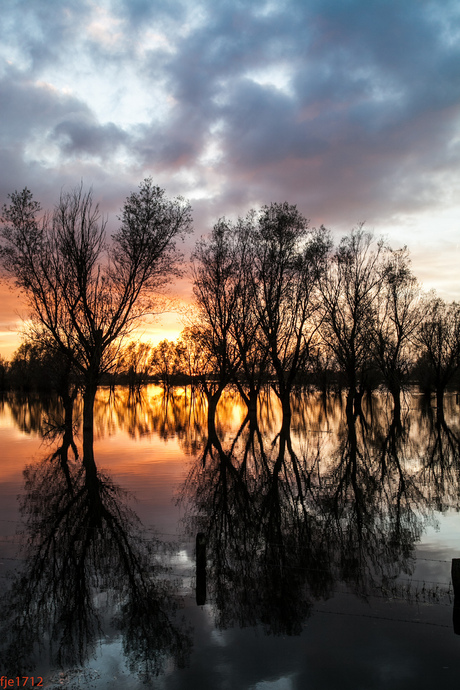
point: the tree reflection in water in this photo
(250, 501)
(86, 557)
(293, 510)
(286, 527)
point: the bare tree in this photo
(349, 289)
(86, 293)
(397, 319)
(246, 329)
(287, 261)
(216, 274)
(439, 337)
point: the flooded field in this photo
(236, 552)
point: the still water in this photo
(326, 544)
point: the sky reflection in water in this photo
(328, 544)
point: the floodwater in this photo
(324, 555)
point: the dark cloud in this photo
(140, 12)
(374, 100)
(78, 136)
(39, 118)
(28, 106)
(263, 127)
(349, 109)
(173, 145)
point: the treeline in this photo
(279, 302)
(276, 302)
(38, 366)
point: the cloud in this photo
(350, 109)
(83, 135)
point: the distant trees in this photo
(85, 293)
(190, 355)
(164, 361)
(4, 367)
(39, 365)
(135, 363)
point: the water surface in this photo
(329, 544)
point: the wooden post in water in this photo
(201, 569)
(456, 586)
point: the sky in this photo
(349, 109)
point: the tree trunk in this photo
(213, 400)
(440, 400)
(91, 477)
(357, 403)
(351, 396)
(67, 403)
(396, 395)
(349, 408)
(252, 406)
(286, 407)
(89, 396)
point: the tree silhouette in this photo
(246, 329)
(349, 290)
(287, 262)
(439, 337)
(216, 274)
(87, 294)
(135, 364)
(397, 318)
